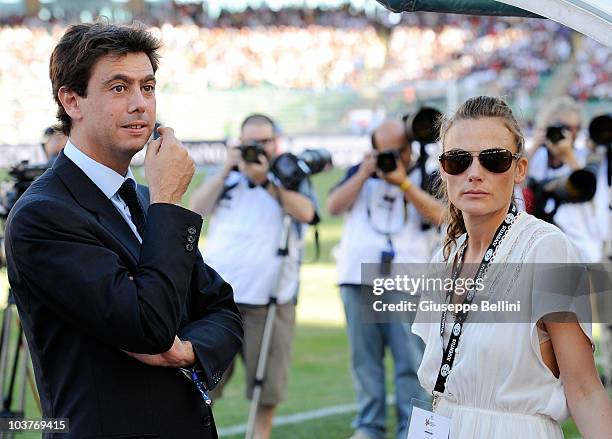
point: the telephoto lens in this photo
(600, 130)
(291, 170)
(423, 125)
(317, 160)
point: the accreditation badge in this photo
(425, 424)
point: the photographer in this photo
(555, 158)
(586, 224)
(52, 144)
(247, 210)
(24, 173)
(383, 223)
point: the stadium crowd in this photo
(512, 53)
(343, 48)
(593, 77)
(318, 50)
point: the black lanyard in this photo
(387, 233)
(448, 354)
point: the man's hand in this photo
(395, 177)
(181, 354)
(367, 166)
(168, 168)
(564, 150)
(232, 160)
(343, 196)
(257, 172)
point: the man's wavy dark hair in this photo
(82, 45)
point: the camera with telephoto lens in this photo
(22, 174)
(251, 151)
(386, 161)
(554, 133)
(580, 186)
(424, 128)
(291, 169)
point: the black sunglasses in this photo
(495, 160)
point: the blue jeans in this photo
(367, 348)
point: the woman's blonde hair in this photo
(473, 108)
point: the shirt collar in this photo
(104, 177)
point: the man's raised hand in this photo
(168, 168)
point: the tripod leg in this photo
(8, 400)
(261, 369)
(33, 388)
(22, 374)
(6, 334)
(27, 374)
(266, 337)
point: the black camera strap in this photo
(609, 159)
(448, 353)
(315, 225)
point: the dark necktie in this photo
(127, 192)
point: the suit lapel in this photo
(89, 196)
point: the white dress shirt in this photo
(105, 178)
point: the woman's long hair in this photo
(473, 108)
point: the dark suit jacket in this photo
(86, 289)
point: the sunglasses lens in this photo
(496, 161)
(455, 162)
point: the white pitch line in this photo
(296, 418)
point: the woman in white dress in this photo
(506, 380)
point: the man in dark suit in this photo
(113, 294)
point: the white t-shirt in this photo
(364, 236)
(586, 224)
(499, 366)
(243, 239)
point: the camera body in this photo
(251, 151)
(386, 161)
(554, 132)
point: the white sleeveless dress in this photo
(499, 386)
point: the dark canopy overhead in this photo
(470, 7)
(590, 17)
